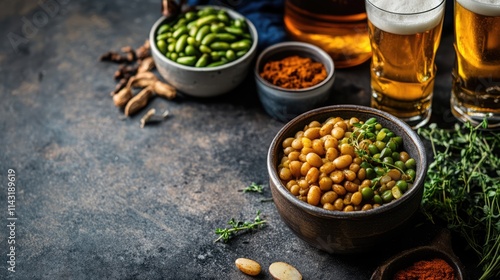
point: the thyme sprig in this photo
(225, 234)
(462, 188)
(253, 187)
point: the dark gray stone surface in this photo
(98, 197)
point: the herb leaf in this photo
(225, 234)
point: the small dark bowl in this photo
(440, 248)
(346, 232)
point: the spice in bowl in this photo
(427, 269)
(294, 72)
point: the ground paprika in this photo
(434, 269)
(294, 72)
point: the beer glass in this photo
(476, 73)
(337, 26)
(404, 35)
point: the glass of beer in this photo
(405, 36)
(476, 73)
(337, 26)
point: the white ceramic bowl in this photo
(204, 82)
(285, 104)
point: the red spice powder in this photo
(435, 269)
(294, 72)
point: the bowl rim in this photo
(233, 14)
(282, 46)
(318, 211)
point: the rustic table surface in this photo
(99, 197)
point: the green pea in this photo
(411, 173)
(240, 23)
(365, 165)
(386, 152)
(402, 185)
(370, 173)
(214, 55)
(411, 163)
(388, 160)
(187, 60)
(367, 193)
(162, 46)
(181, 43)
(400, 165)
(395, 156)
(381, 136)
(379, 170)
(380, 145)
(226, 37)
(171, 47)
(219, 46)
(398, 140)
(191, 15)
(387, 196)
(205, 49)
(392, 145)
(202, 61)
(179, 32)
(378, 126)
(223, 17)
(371, 121)
(377, 199)
(372, 148)
(174, 56)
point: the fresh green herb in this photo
(237, 226)
(254, 188)
(462, 188)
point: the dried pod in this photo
(139, 101)
(164, 90)
(147, 64)
(141, 80)
(122, 97)
(119, 86)
(152, 117)
(143, 51)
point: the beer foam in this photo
(482, 7)
(405, 16)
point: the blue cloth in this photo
(267, 16)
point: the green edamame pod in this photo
(190, 16)
(208, 39)
(241, 53)
(219, 46)
(163, 28)
(193, 30)
(181, 43)
(181, 22)
(202, 61)
(241, 45)
(230, 55)
(163, 36)
(226, 37)
(215, 56)
(205, 49)
(174, 56)
(190, 50)
(180, 31)
(217, 63)
(204, 30)
(187, 60)
(206, 20)
(192, 41)
(223, 17)
(206, 11)
(217, 28)
(234, 30)
(171, 40)
(162, 46)
(171, 47)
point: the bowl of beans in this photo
(292, 78)
(204, 51)
(346, 178)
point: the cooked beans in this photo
(346, 165)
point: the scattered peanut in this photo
(248, 266)
(122, 97)
(284, 271)
(139, 101)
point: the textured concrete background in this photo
(100, 198)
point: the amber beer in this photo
(476, 74)
(404, 38)
(337, 26)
